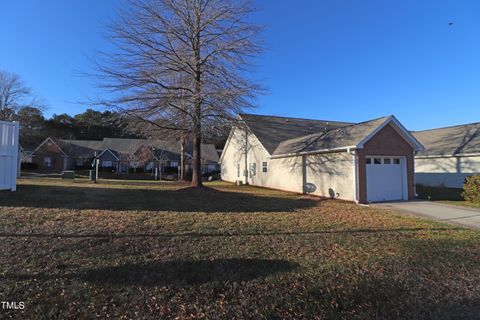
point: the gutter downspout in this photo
(355, 174)
(245, 172)
(304, 174)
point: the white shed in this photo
(9, 149)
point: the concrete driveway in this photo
(441, 212)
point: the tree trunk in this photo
(197, 160)
(197, 117)
(182, 159)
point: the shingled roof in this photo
(125, 148)
(81, 148)
(289, 136)
(456, 140)
(272, 130)
(347, 136)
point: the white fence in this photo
(8, 155)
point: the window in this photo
(107, 164)
(149, 166)
(238, 170)
(135, 164)
(253, 169)
(173, 163)
(264, 166)
(79, 162)
(47, 162)
(382, 160)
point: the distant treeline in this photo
(89, 125)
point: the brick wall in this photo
(51, 150)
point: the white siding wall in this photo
(445, 171)
(8, 155)
(332, 174)
(232, 156)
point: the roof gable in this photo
(109, 151)
(46, 141)
(400, 129)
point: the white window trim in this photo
(264, 166)
(107, 164)
(50, 162)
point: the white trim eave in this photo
(226, 144)
(110, 153)
(457, 155)
(251, 132)
(407, 134)
(306, 153)
(45, 141)
(230, 138)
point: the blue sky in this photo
(349, 60)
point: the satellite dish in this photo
(310, 187)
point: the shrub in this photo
(135, 170)
(29, 166)
(171, 170)
(471, 189)
(212, 173)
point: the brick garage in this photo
(387, 143)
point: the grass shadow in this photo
(177, 272)
(430, 279)
(181, 200)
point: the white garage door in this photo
(385, 179)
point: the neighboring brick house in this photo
(363, 162)
(49, 156)
(116, 155)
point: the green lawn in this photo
(160, 250)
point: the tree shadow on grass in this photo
(181, 200)
(377, 297)
(177, 272)
(430, 279)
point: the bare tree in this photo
(13, 93)
(182, 65)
